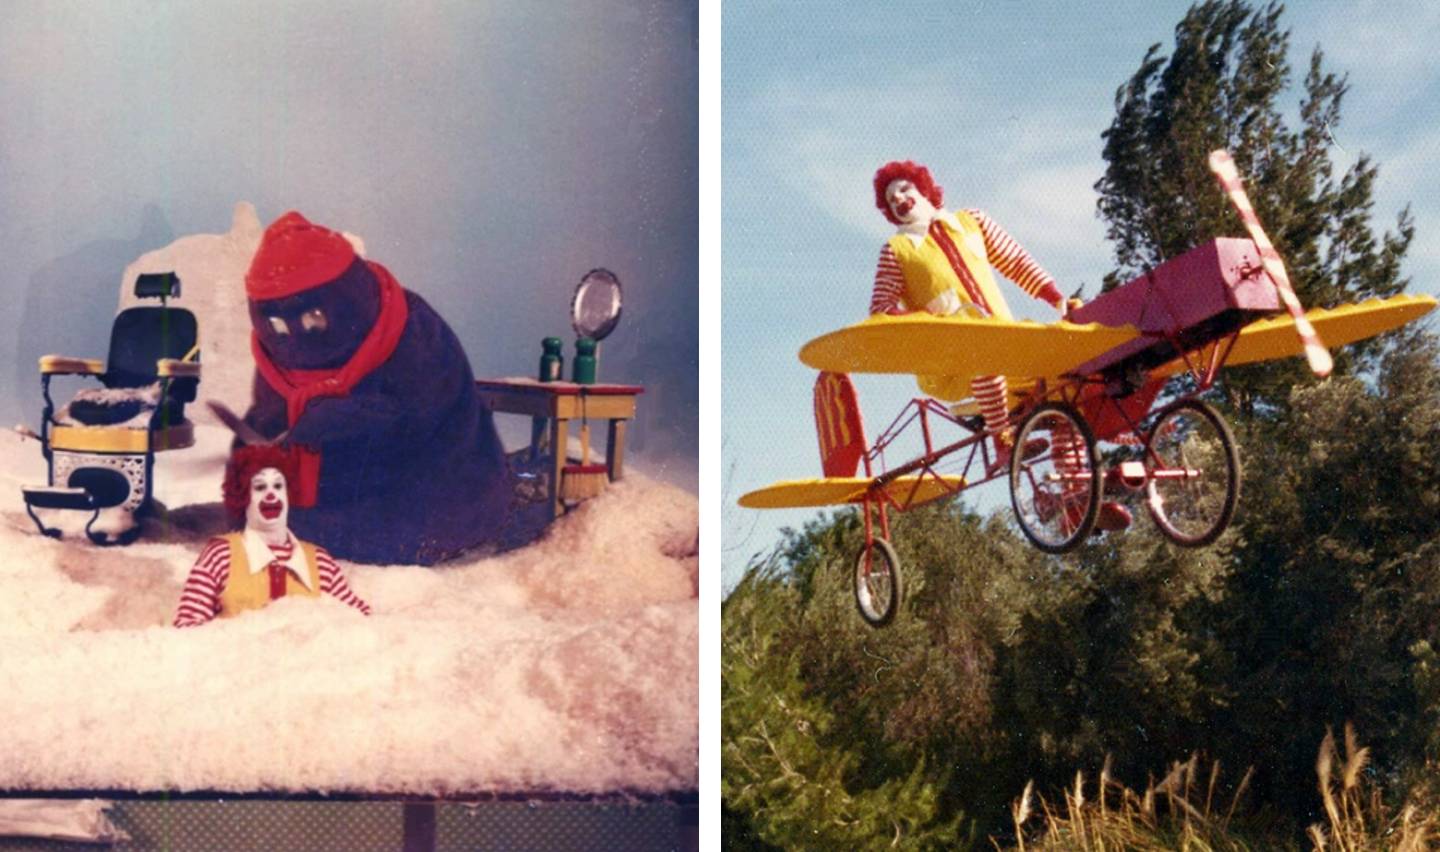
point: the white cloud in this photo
(1382, 38)
(1408, 165)
(1052, 212)
(1408, 175)
(825, 146)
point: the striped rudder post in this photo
(1223, 167)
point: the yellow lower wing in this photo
(838, 491)
(960, 347)
(1275, 337)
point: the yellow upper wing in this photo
(922, 344)
(959, 348)
(1275, 337)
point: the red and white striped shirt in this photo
(1007, 256)
(200, 599)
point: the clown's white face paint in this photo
(269, 511)
(908, 204)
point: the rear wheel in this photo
(1192, 473)
(877, 583)
(1055, 493)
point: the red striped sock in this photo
(990, 393)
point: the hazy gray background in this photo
(488, 153)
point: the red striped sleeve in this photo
(889, 289)
(333, 583)
(1014, 262)
(200, 598)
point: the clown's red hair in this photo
(244, 463)
(911, 171)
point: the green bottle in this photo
(584, 361)
(552, 362)
(552, 369)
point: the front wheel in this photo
(1192, 473)
(1056, 492)
(877, 583)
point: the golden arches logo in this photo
(832, 416)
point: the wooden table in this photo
(559, 403)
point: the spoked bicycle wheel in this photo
(1192, 473)
(877, 583)
(1055, 493)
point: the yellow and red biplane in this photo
(1091, 378)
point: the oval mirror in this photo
(596, 309)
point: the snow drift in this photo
(568, 666)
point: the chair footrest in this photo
(55, 497)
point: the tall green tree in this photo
(1224, 85)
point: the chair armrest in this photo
(173, 367)
(64, 365)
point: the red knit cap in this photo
(294, 256)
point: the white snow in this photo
(569, 665)
(148, 397)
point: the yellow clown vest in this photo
(246, 591)
(928, 273)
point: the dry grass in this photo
(1179, 812)
(1357, 816)
(1185, 811)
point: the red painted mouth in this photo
(903, 208)
(271, 510)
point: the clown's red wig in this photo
(908, 170)
(244, 463)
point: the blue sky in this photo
(1005, 102)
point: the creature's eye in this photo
(314, 320)
(277, 325)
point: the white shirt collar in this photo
(917, 231)
(258, 554)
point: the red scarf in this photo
(298, 387)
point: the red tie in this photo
(277, 580)
(952, 254)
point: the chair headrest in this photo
(157, 285)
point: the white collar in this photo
(917, 231)
(259, 555)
